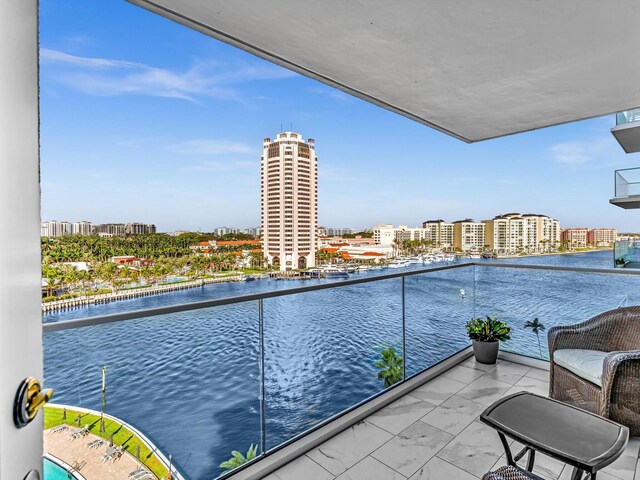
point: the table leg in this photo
(577, 474)
(531, 459)
(507, 450)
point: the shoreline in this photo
(550, 254)
(88, 300)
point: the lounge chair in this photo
(595, 365)
(141, 474)
(133, 475)
(59, 428)
(95, 443)
(79, 432)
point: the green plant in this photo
(238, 459)
(536, 327)
(489, 330)
(390, 366)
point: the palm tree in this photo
(390, 366)
(239, 459)
(536, 327)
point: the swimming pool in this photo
(53, 471)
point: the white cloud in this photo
(579, 152)
(111, 77)
(210, 147)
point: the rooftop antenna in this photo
(280, 127)
(291, 127)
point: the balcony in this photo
(433, 432)
(627, 130)
(626, 188)
(293, 371)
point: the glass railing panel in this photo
(624, 252)
(321, 350)
(188, 381)
(438, 306)
(627, 182)
(518, 295)
(628, 116)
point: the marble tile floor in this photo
(433, 433)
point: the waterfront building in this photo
(575, 237)
(386, 234)
(441, 233)
(514, 233)
(289, 201)
(468, 235)
(602, 237)
(325, 241)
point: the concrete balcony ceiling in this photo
(475, 70)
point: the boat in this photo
(449, 257)
(474, 255)
(398, 264)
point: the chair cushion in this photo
(586, 364)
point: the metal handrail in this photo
(185, 307)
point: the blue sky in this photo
(145, 120)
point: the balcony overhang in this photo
(628, 203)
(474, 70)
(628, 136)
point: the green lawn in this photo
(121, 435)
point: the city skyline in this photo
(163, 134)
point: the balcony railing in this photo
(203, 379)
(627, 182)
(628, 116)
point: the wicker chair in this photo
(508, 472)
(616, 332)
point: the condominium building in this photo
(220, 231)
(110, 229)
(468, 235)
(602, 237)
(256, 232)
(575, 237)
(386, 234)
(289, 200)
(53, 228)
(513, 233)
(440, 232)
(136, 228)
(82, 228)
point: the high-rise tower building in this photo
(289, 201)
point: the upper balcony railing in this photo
(628, 116)
(203, 379)
(627, 182)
